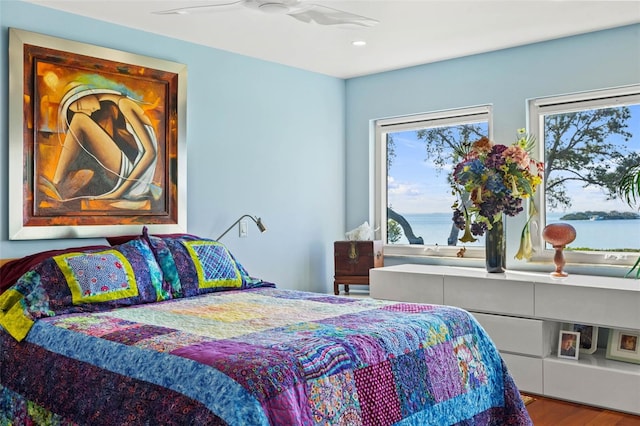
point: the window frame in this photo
(456, 116)
(537, 109)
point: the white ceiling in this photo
(409, 33)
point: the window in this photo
(588, 141)
(414, 160)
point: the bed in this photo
(162, 330)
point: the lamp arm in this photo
(257, 221)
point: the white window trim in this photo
(555, 104)
(414, 122)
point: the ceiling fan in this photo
(300, 10)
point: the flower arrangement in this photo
(491, 180)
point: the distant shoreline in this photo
(599, 215)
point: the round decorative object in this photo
(495, 247)
(559, 235)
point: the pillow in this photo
(121, 239)
(14, 269)
(74, 282)
(214, 265)
(97, 277)
(193, 266)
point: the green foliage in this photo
(394, 231)
(440, 140)
(391, 151)
(600, 215)
(579, 148)
(629, 185)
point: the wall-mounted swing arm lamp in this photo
(257, 221)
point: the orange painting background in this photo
(47, 75)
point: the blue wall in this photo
(506, 79)
(262, 138)
(294, 147)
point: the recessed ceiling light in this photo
(359, 43)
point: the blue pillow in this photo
(193, 266)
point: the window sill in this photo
(544, 266)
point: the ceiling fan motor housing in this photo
(272, 6)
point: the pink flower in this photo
(517, 155)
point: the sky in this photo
(418, 186)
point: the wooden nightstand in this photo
(353, 260)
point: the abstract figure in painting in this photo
(109, 147)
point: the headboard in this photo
(3, 261)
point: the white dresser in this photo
(523, 313)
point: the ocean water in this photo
(434, 228)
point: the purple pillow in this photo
(11, 271)
(121, 239)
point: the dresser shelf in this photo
(523, 313)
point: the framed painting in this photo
(624, 346)
(568, 344)
(588, 337)
(96, 140)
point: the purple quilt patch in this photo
(377, 395)
(334, 400)
(284, 409)
(265, 372)
(411, 369)
(132, 335)
(321, 357)
(409, 308)
(443, 369)
(368, 349)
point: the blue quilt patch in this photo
(214, 264)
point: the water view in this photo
(434, 228)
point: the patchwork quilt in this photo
(256, 356)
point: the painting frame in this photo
(572, 352)
(38, 209)
(588, 337)
(623, 346)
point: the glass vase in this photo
(495, 247)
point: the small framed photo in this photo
(588, 337)
(624, 346)
(568, 344)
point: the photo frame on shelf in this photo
(121, 119)
(588, 337)
(568, 342)
(624, 346)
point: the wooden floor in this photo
(551, 412)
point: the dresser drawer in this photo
(489, 295)
(406, 284)
(597, 306)
(520, 335)
(588, 382)
(526, 372)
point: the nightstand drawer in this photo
(357, 257)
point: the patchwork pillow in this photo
(121, 239)
(11, 271)
(193, 266)
(98, 277)
(122, 275)
(214, 264)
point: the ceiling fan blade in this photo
(216, 7)
(324, 15)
